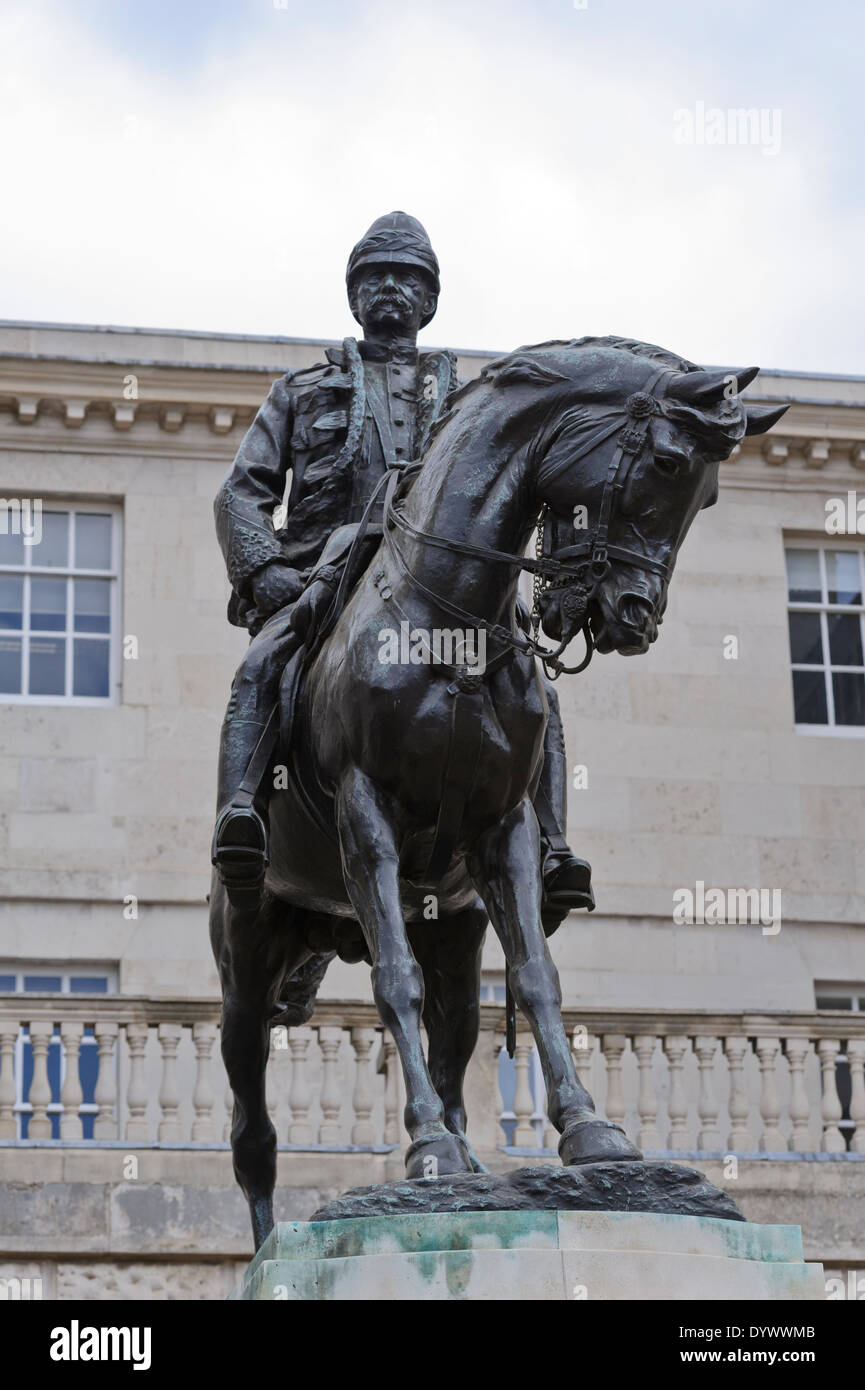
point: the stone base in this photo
(534, 1255)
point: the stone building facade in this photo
(732, 757)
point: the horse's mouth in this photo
(629, 630)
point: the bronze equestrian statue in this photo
(402, 780)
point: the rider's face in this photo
(392, 299)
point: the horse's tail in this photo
(299, 990)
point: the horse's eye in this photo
(666, 465)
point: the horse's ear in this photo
(525, 369)
(703, 389)
(761, 418)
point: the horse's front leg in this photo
(506, 871)
(370, 861)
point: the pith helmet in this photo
(396, 239)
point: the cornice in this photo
(69, 404)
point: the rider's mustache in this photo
(390, 298)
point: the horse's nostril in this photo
(635, 610)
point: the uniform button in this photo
(396, 371)
(399, 420)
(399, 449)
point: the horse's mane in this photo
(719, 427)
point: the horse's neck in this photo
(476, 496)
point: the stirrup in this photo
(240, 866)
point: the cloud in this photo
(224, 191)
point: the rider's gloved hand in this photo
(313, 602)
(274, 586)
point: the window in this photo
(60, 607)
(850, 998)
(827, 635)
(40, 979)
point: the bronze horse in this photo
(633, 435)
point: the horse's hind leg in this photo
(506, 870)
(370, 861)
(252, 959)
(449, 953)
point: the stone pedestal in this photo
(534, 1255)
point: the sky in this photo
(208, 165)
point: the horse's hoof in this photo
(596, 1141)
(436, 1156)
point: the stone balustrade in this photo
(140, 1072)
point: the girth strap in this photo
(460, 770)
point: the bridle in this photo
(579, 569)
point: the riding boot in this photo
(567, 880)
(240, 837)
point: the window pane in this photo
(803, 576)
(806, 644)
(88, 984)
(845, 639)
(92, 541)
(10, 665)
(849, 694)
(7, 983)
(809, 697)
(48, 604)
(842, 576)
(11, 545)
(92, 598)
(42, 984)
(53, 548)
(47, 666)
(831, 1001)
(11, 602)
(90, 672)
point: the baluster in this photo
(677, 1106)
(856, 1060)
(709, 1135)
(228, 1102)
(833, 1139)
(736, 1049)
(613, 1046)
(329, 1039)
(300, 1093)
(647, 1100)
(105, 1090)
(363, 1131)
(71, 1093)
(136, 1091)
(800, 1111)
(8, 1037)
(271, 1091)
(40, 1089)
(582, 1048)
(169, 1035)
(392, 1125)
(524, 1105)
(203, 1037)
(771, 1140)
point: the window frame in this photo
(68, 572)
(821, 544)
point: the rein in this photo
(580, 580)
